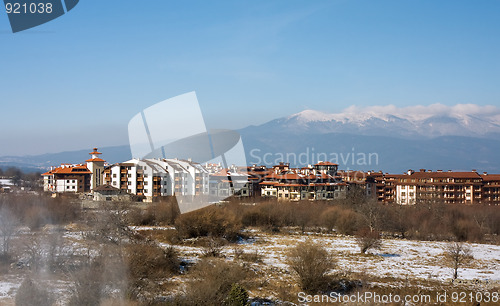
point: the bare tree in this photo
(34, 249)
(311, 262)
(459, 254)
(368, 239)
(371, 211)
(8, 226)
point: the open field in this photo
(398, 264)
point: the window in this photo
(114, 183)
(73, 187)
(145, 182)
(129, 183)
(74, 181)
(145, 191)
(129, 175)
(145, 175)
(114, 175)
(67, 181)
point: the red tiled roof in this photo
(80, 169)
(269, 183)
(326, 163)
(95, 160)
(490, 177)
(471, 175)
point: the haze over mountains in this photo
(460, 137)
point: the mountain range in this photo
(387, 138)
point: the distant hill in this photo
(32, 163)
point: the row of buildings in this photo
(150, 178)
(449, 187)
(145, 178)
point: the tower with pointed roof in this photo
(95, 165)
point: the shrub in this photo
(347, 222)
(150, 261)
(87, 287)
(311, 262)
(368, 239)
(254, 256)
(238, 296)
(466, 229)
(164, 212)
(211, 221)
(30, 294)
(212, 282)
(213, 247)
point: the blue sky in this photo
(76, 81)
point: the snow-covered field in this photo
(398, 258)
(397, 261)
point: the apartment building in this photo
(74, 178)
(490, 193)
(229, 182)
(70, 178)
(158, 177)
(317, 182)
(429, 186)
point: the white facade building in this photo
(158, 177)
(406, 194)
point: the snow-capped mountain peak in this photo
(426, 121)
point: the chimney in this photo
(422, 170)
(439, 171)
(429, 170)
(474, 170)
(410, 172)
(450, 171)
